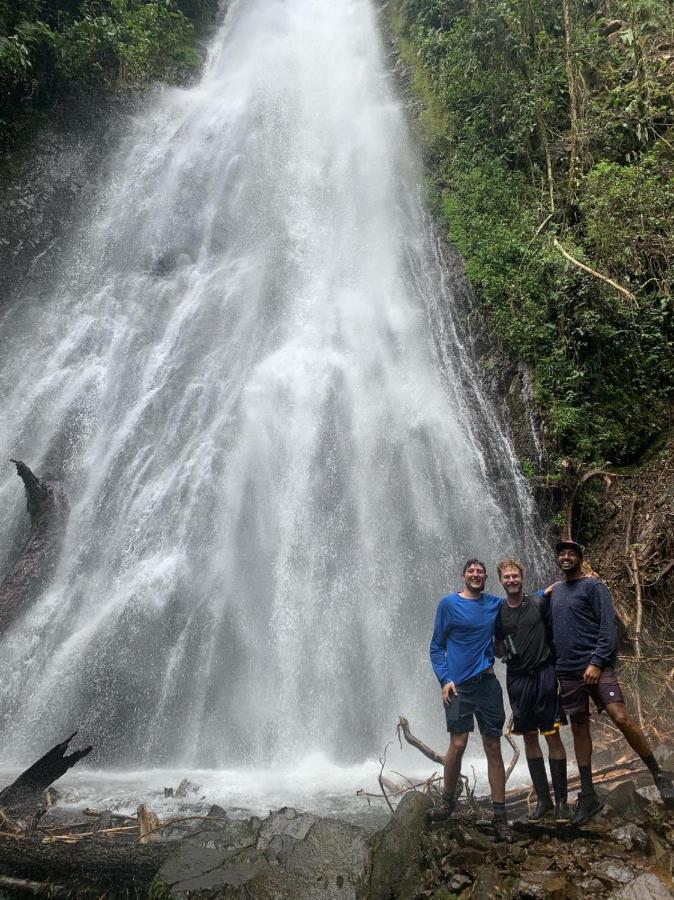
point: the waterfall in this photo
(252, 378)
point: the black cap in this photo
(569, 545)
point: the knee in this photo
(555, 744)
(458, 743)
(492, 747)
(620, 717)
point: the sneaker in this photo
(501, 835)
(586, 808)
(562, 813)
(664, 785)
(540, 811)
(443, 811)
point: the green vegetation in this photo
(549, 127)
(50, 49)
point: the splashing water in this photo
(275, 447)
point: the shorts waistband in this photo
(534, 669)
(488, 673)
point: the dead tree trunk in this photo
(24, 794)
(115, 870)
(48, 509)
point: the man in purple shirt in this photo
(462, 656)
(586, 644)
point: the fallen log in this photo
(48, 508)
(26, 793)
(99, 864)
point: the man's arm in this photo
(438, 648)
(608, 631)
(438, 651)
(499, 648)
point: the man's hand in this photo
(591, 675)
(449, 691)
(548, 589)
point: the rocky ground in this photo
(625, 854)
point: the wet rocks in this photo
(289, 854)
(631, 836)
(645, 887)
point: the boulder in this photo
(395, 848)
(644, 887)
(631, 836)
(611, 871)
(551, 885)
(624, 799)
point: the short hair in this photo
(474, 562)
(509, 562)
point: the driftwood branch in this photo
(604, 278)
(572, 496)
(516, 750)
(48, 508)
(25, 793)
(403, 727)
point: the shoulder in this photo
(446, 604)
(492, 601)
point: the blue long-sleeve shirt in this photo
(462, 645)
(583, 624)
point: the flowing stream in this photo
(252, 380)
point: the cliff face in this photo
(48, 182)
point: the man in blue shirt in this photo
(462, 656)
(586, 643)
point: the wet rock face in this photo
(47, 183)
(289, 854)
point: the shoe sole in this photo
(546, 815)
(586, 819)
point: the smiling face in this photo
(569, 561)
(511, 579)
(474, 577)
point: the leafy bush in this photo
(514, 176)
(50, 47)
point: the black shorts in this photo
(536, 701)
(481, 697)
(576, 694)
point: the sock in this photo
(539, 779)
(558, 775)
(586, 786)
(499, 810)
(652, 764)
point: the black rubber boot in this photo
(539, 779)
(560, 788)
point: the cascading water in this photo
(250, 380)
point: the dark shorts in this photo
(576, 694)
(481, 698)
(535, 700)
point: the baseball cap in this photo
(569, 545)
